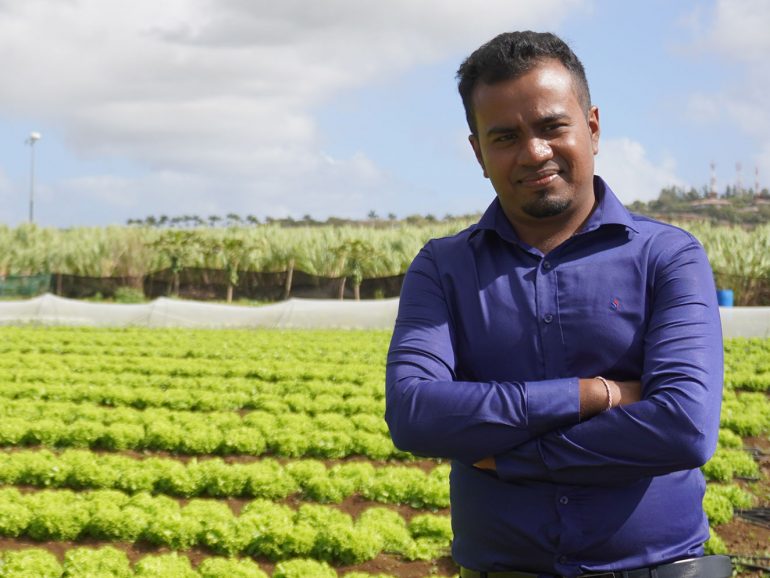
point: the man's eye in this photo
(504, 138)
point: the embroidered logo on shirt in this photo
(615, 304)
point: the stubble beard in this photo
(545, 206)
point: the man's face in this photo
(536, 143)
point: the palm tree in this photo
(233, 219)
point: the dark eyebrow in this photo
(556, 117)
(548, 119)
(501, 130)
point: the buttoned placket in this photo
(547, 303)
(552, 347)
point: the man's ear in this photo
(477, 151)
(593, 125)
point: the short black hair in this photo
(511, 54)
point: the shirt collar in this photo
(609, 211)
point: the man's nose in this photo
(535, 151)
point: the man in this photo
(565, 354)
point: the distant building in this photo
(710, 201)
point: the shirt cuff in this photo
(552, 403)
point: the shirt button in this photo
(564, 500)
(547, 317)
(546, 265)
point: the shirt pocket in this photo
(603, 318)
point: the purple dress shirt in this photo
(490, 341)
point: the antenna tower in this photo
(756, 180)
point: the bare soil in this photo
(742, 537)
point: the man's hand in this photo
(486, 464)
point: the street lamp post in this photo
(33, 138)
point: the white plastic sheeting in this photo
(745, 321)
(294, 313)
(291, 314)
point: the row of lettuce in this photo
(161, 358)
(268, 478)
(262, 528)
(108, 561)
(327, 435)
(167, 359)
(324, 435)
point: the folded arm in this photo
(675, 425)
(430, 413)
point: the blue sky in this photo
(345, 106)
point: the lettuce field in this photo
(216, 453)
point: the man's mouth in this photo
(539, 179)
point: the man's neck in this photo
(547, 234)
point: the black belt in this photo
(705, 567)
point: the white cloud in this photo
(736, 32)
(220, 93)
(739, 30)
(624, 164)
(319, 186)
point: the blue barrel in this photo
(725, 297)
